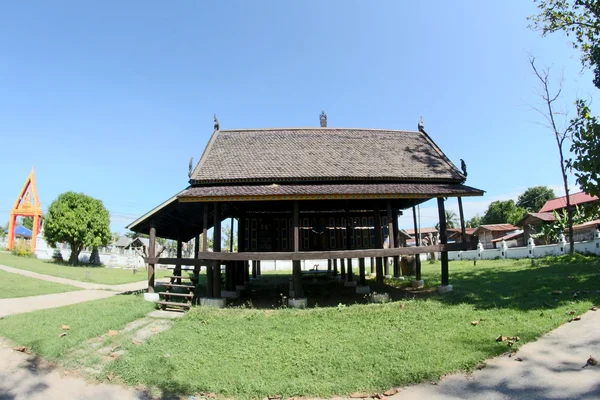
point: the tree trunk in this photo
(74, 257)
(569, 208)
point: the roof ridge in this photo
(317, 128)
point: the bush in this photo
(22, 249)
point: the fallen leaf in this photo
(154, 329)
(594, 308)
(380, 396)
(519, 359)
(501, 338)
(556, 292)
(66, 327)
(359, 395)
(274, 397)
(474, 323)
(570, 312)
(577, 318)
(390, 392)
(22, 349)
(110, 376)
(481, 365)
(112, 333)
(63, 334)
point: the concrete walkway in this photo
(93, 291)
(551, 369)
(127, 287)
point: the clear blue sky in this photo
(115, 97)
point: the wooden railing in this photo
(306, 255)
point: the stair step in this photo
(181, 269)
(180, 286)
(177, 294)
(173, 304)
(181, 277)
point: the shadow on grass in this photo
(550, 283)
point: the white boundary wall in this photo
(531, 251)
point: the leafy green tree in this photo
(586, 148)
(227, 234)
(2, 229)
(451, 220)
(534, 198)
(79, 220)
(503, 212)
(474, 222)
(578, 19)
(27, 222)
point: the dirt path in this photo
(27, 304)
(127, 287)
(551, 369)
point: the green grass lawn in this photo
(40, 330)
(107, 276)
(251, 353)
(14, 285)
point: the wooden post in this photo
(196, 277)
(254, 272)
(463, 231)
(378, 243)
(258, 270)
(217, 249)
(417, 244)
(362, 281)
(372, 265)
(231, 236)
(391, 238)
(229, 276)
(209, 266)
(297, 269)
(443, 240)
(329, 266)
(396, 242)
(177, 271)
(349, 235)
(151, 254)
(246, 267)
(335, 268)
(342, 269)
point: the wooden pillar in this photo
(391, 238)
(217, 249)
(210, 265)
(151, 254)
(417, 244)
(231, 236)
(335, 268)
(254, 271)
(177, 271)
(329, 266)
(349, 235)
(396, 234)
(246, 268)
(196, 277)
(297, 269)
(372, 265)
(378, 243)
(342, 269)
(229, 276)
(362, 281)
(258, 270)
(443, 240)
(463, 231)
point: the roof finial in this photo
(323, 119)
(421, 126)
(463, 166)
(216, 123)
(190, 167)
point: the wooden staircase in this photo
(174, 292)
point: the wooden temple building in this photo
(305, 194)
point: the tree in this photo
(560, 134)
(227, 234)
(79, 220)
(27, 222)
(534, 198)
(451, 220)
(579, 19)
(502, 212)
(474, 222)
(586, 148)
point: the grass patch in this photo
(40, 330)
(102, 275)
(250, 353)
(14, 285)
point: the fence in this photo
(531, 251)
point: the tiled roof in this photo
(561, 202)
(585, 225)
(542, 216)
(422, 231)
(497, 228)
(510, 236)
(400, 189)
(454, 232)
(322, 154)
